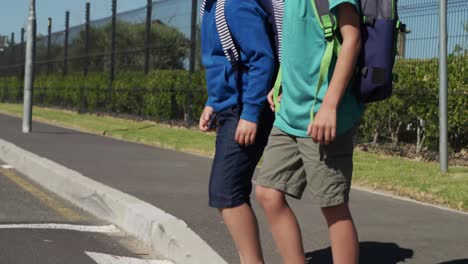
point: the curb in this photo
(163, 232)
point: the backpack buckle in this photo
(328, 25)
(328, 32)
(369, 21)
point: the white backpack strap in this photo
(202, 10)
(278, 7)
(227, 42)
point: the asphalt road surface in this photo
(38, 227)
(390, 230)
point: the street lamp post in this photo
(443, 81)
(29, 69)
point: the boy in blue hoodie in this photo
(244, 122)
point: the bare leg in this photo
(243, 226)
(283, 224)
(343, 235)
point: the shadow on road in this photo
(371, 253)
(458, 261)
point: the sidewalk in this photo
(391, 230)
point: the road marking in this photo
(45, 198)
(6, 167)
(107, 229)
(100, 258)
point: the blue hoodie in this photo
(248, 25)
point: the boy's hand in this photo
(205, 119)
(323, 129)
(271, 102)
(246, 132)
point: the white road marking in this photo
(6, 167)
(80, 228)
(100, 258)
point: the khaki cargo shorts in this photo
(292, 164)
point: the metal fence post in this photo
(86, 56)
(65, 45)
(22, 41)
(49, 43)
(113, 40)
(112, 55)
(443, 83)
(22, 52)
(193, 50)
(149, 14)
(86, 47)
(4, 97)
(12, 50)
(402, 45)
(29, 69)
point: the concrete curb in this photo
(165, 233)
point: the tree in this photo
(169, 47)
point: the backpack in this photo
(274, 10)
(379, 28)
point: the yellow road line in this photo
(65, 212)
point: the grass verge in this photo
(399, 176)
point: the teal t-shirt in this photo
(302, 52)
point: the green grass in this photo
(415, 179)
(182, 139)
(400, 176)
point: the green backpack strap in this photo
(328, 23)
(276, 90)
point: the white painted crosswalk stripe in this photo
(79, 228)
(6, 167)
(101, 258)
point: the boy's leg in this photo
(283, 224)
(230, 182)
(282, 173)
(329, 171)
(343, 235)
(243, 227)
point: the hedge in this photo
(414, 107)
(160, 95)
(169, 95)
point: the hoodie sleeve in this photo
(248, 26)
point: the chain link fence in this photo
(146, 63)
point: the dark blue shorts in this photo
(234, 165)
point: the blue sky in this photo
(13, 13)
(420, 15)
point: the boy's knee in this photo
(269, 199)
(337, 213)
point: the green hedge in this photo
(168, 95)
(11, 89)
(414, 107)
(160, 95)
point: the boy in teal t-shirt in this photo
(318, 154)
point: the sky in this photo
(421, 16)
(14, 13)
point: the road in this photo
(38, 227)
(391, 230)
